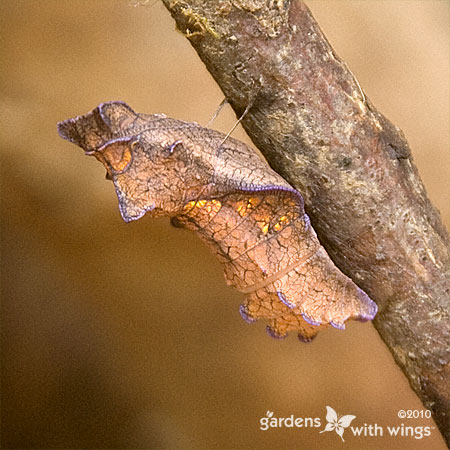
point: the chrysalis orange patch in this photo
(116, 156)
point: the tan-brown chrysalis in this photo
(250, 217)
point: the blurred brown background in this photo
(124, 335)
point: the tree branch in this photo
(366, 201)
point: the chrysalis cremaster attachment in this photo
(248, 215)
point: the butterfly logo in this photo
(336, 423)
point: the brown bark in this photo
(366, 201)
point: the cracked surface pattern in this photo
(245, 212)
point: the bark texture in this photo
(315, 126)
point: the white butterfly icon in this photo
(339, 424)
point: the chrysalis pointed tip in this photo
(371, 307)
(272, 333)
(305, 339)
(66, 130)
(245, 314)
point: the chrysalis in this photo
(249, 216)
